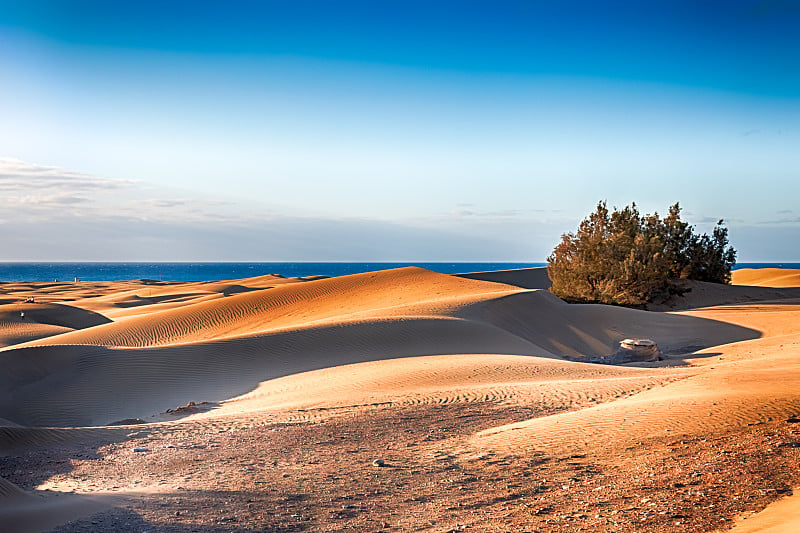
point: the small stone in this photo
(141, 450)
(378, 462)
(128, 422)
(635, 350)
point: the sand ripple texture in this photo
(214, 350)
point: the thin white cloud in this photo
(49, 200)
(16, 175)
(789, 220)
(33, 192)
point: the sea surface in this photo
(217, 271)
(220, 271)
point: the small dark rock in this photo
(128, 422)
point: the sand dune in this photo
(767, 277)
(749, 381)
(20, 323)
(66, 316)
(709, 403)
(444, 379)
(223, 348)
(114, 299)
(284, 306)
(311, 351)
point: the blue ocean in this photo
(218, 271)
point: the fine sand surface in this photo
(767, 277)
(478, 393)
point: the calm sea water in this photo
(217, 271)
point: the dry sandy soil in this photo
(401, 400)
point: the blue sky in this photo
(390, 130)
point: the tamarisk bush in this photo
(621, 257)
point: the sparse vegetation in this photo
(621, 257)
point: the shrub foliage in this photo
(621, 257)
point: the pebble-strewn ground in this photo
(250, 474)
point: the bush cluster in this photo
(624, 258)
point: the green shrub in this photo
(624, 258)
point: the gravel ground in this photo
(250, 473)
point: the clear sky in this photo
(381, 130)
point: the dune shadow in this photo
(139, 301)
(700, 294)
(55, 315)
(184, 508)
(591, 331)
(77, 385)
(666, 360)
(526, 278)
(685, 359)
(30, 456)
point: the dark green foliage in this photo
(624, 258)
(710, 258)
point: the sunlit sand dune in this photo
(502, 369)
(285, 306)
(767, 277)
(448, 379)
(215, 350)
(731, 396)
